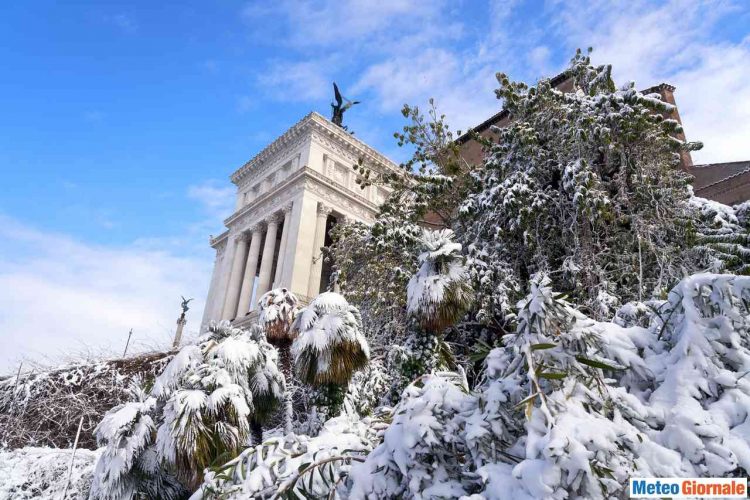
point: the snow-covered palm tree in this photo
(278, 308)
(128, 466)
(330, 345)
(440, 292)
(212, 395)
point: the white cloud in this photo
(124, 22)
(297, 81)
(352, 34)
(400, 80)
(679, 42)
(337, 22)
(216, 198)
(405, 52)
(61, 296)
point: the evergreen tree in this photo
(585, 184)
(722, 236)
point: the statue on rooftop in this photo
(340, 106)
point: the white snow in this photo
(31, 473)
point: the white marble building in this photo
(288, 198)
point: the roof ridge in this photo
(724, 179)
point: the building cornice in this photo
(312, 122)
(305, 177)
(351, 143)
(215, 241)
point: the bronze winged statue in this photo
(340, 106)
(184, 305)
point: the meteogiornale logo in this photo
(688, 487)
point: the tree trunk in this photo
(256, 431)
(285, 361)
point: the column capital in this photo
(242, 236)
(324, 210)
(256, 228)
(287, 208)
(275, 218)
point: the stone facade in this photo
(288, 197)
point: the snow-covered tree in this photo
(584, 436)
(722, 236)
(295, 466)
(212, 392)
(371, 266)
(546, 422)
(699, 359)
(422, 454)
(201, 409)
(439, 293)
(329, 346)
(278, 308)
(583, 183)
(129, 467)
(368, 389)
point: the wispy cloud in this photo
(61, 295)
(397, 52)
(216, 197)
(126, 23)
(338, 22)
(680, 42)
(297, 80)
(93, 116)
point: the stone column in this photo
(316, 269)
(235, 278)
(282, 245)
(266, 262)
(246, 294)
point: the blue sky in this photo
(121, 122)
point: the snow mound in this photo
(28, 473)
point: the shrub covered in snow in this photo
(542, 424)
(722, 236)
(295, 466)
(422, 454)
(43, 407)
(699, 358)
(368, 389)
(129, 465)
